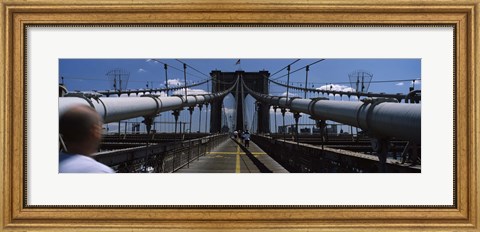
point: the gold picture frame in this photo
(16, 14)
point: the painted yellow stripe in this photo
(223, 153)
(237, 164)
(259, 153)
(233, 153)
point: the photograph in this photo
(245, 115)
(240, 115)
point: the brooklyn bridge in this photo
(172, 129)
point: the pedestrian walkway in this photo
(232, 157)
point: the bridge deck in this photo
(231, 157)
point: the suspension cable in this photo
(284, 67)
(193, 68)
(178, 69)
(335, 92)
(296, 70)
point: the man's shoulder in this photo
(74, 163)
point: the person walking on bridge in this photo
(80, 136)
(246, 138)
(235, 135)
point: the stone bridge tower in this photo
(256, 81)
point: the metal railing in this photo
(159, 158)
(306, 158)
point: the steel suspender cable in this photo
(284, 68)
(185, 79)
(175, 68)
(288, 80)
(306, 79)
(296, 70)
(275, 113)
(193, 68)
(200, 119)
(206, 117)
(165, 66)
(283, 110)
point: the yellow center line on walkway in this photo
(237, 164)
(231, 153)
(222, 152)
(259, 153)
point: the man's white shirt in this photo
(74, 163)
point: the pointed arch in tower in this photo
(256, 81)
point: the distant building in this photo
(332, 129)
(136, 128)
(286, 129)
(305, 130)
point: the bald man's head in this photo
(80, 124)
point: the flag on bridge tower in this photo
(239, 66)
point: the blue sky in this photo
(389, 76)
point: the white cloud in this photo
(417, 82)
(161, 94)
(196, 91)
(175, 82)
(121, 95)
(400, 83)
(335, 87)
(151, 60)
(284, 94)
(140, 70)
(189, 91)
